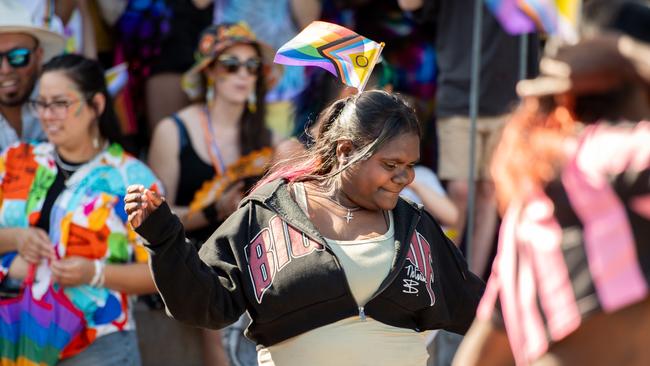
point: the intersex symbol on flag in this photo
(340, 51)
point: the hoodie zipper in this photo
(362, 313)
(395, 270)
(319, 239)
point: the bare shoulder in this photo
(191, 112)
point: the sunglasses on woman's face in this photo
(17, 57)
(232, 64)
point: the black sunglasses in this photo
(232, 64)
(17, 57)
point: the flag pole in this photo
(523, 56)
(373, 62)
(473, 115)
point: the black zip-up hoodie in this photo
(268, 259)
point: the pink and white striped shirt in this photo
(580, 246)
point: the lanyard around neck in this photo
(211, 143)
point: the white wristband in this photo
(98, 277)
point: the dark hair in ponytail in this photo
(369, 120)
(88, 76)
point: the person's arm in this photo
(484, 344)
(64, 9)
(89, 46)
(201, 291)
(129, 278)
(427, 187)
(305, 11)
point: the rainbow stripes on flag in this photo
(116, 78)
(35, 332)
(556, 17)
(340, 51)
(510, 16)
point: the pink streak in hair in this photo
(290, 172)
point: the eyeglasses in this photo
(232, 64)
(17, 57)
(59, 108)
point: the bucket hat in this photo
(213, 41)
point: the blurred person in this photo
(219, 140)
(164, 94)
(330, 263)
(427, 190)
(24, 45)
(70, 19)
(274, 23)
(61, 203)
(499, 74)
(572, 174)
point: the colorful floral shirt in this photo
(87, 219)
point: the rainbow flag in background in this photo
(36, 331)
(555, 17)
(334, 48)
(116, 78)
(510, 16)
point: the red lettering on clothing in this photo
(420, 257)
(281, 249)
(272, 249)
(261, 263)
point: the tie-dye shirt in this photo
(87, 219)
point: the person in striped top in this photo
(571, 280)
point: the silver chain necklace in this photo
(349, 215)
(66, 169)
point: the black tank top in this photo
(193, 173)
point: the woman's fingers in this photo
(135, 219)
(133, 197)
(139, 202)
(46, 251)
(155, 198)
(42, 235)
(135, 188)
(133, 207)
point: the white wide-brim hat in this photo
(15, 18)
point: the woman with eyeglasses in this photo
(209, 153)
(61, 207)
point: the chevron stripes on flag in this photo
(340, 51)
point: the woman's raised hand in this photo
(139, 203)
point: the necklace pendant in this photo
(349, 216)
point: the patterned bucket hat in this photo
(213, 41)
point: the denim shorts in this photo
(240, 350)
(115, 349)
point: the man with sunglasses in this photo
(24, 46)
